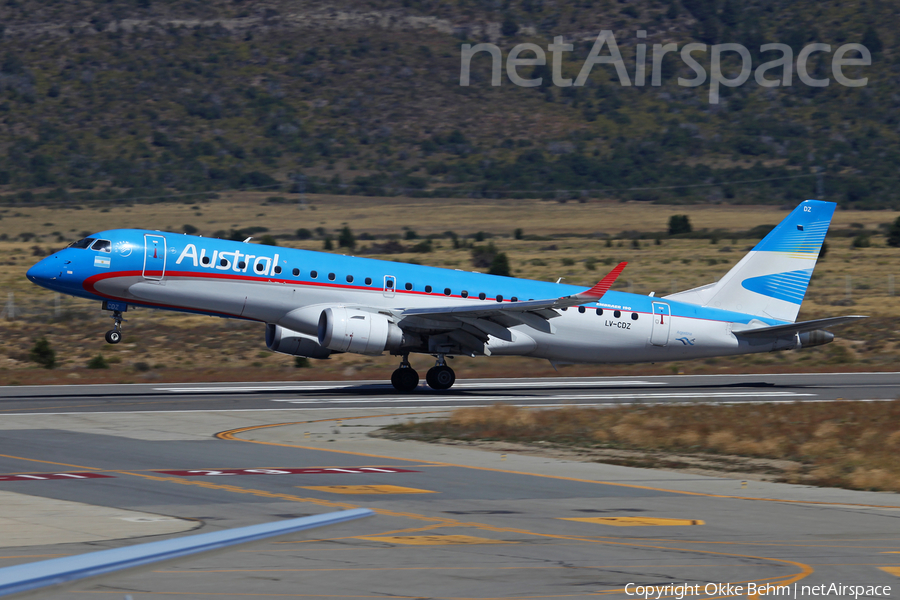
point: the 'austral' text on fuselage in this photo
(228, 261)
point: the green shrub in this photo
(98, 362)
(43, 354)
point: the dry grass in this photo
(839, 444)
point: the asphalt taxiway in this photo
(451, 521)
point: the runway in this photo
(522, 392)
(452, 521)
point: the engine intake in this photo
(285, 341)
(352, 330)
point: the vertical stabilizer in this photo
(771, 280)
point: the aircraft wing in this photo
(802, 326)
(33, 578)
(495, 318)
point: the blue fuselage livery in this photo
(315, 304)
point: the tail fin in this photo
(771, 280)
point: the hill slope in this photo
(149, 98)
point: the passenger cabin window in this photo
(82, 243)
(617, 313)
(331, 276)
(277, 270)
(389, 284)
(446, 291)
(205, 260)
(259, 267)
(427, 289)
(242, 265)
(223, 262)
(499, 298)
(513, 299)
(313, 274)
(102, 246)
(634, 316)
(296, 272)
(408, 286)
(599, 312)
(368, 281)
(464, 294)
(482, 296)
(349, 278)
(581, 309)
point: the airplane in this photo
(315, 304)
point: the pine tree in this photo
(893, 238)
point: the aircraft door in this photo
(662, 321)
(154, 257)
(390, 286)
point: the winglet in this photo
(602, 286)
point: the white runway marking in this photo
(435, 399)
(472, 384)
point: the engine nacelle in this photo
(285, 341)
(352, 330)
(816, 338)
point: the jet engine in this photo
(815, 338)
(352, 330)
(279, 339)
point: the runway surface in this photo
(524, 392)
(452, 521)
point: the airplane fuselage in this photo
(291, 288)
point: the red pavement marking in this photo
(322, 471)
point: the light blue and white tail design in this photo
(771, 280)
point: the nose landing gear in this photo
(114, 335)
(405, 379)
(440, 376)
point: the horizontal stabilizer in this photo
(792, 328)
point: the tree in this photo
(509, 27)
(328, 244)
(346, 238)
(871, 40)
(43, 354)
(500, 265)
(893, 237)
(679, 224)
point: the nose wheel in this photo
(440, 376)
(405, 379)
(114, 335)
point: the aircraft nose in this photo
(44, 271)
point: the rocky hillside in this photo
(162, 98)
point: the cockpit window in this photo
(101, 246)
(82, 243)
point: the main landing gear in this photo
(405, 379)
(439, 377)
(114, 335)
